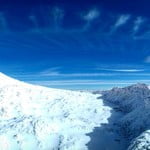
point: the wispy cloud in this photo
(55, 75)
(137, 23)
(147, 59)
(124, 70)
(88, 82)
(58, 15)
(89, 17)
(54, 71)
(121, 21)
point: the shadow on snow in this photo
(106, 137)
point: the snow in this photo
(35, 117)
(128, 98)
(39, 118)
(142, 142)
(106, 137)
(134, 102)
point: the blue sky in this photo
(76, 45)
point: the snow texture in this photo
(39, 118)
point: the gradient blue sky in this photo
(76, 44)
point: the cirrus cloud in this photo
(121, 21)
(137, 23)
(91, 15)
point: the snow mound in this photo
(39, 118)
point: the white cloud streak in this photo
(88, 82)
(124, 70)
(121, 21)
(50, 72)
(55, 73)
(91, 15)
(61, 75)
(78, 74)
(137, 23)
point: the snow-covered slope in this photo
(134, 101)
(39, 118)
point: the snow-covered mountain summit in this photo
(39, 118)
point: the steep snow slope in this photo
(38, 118)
